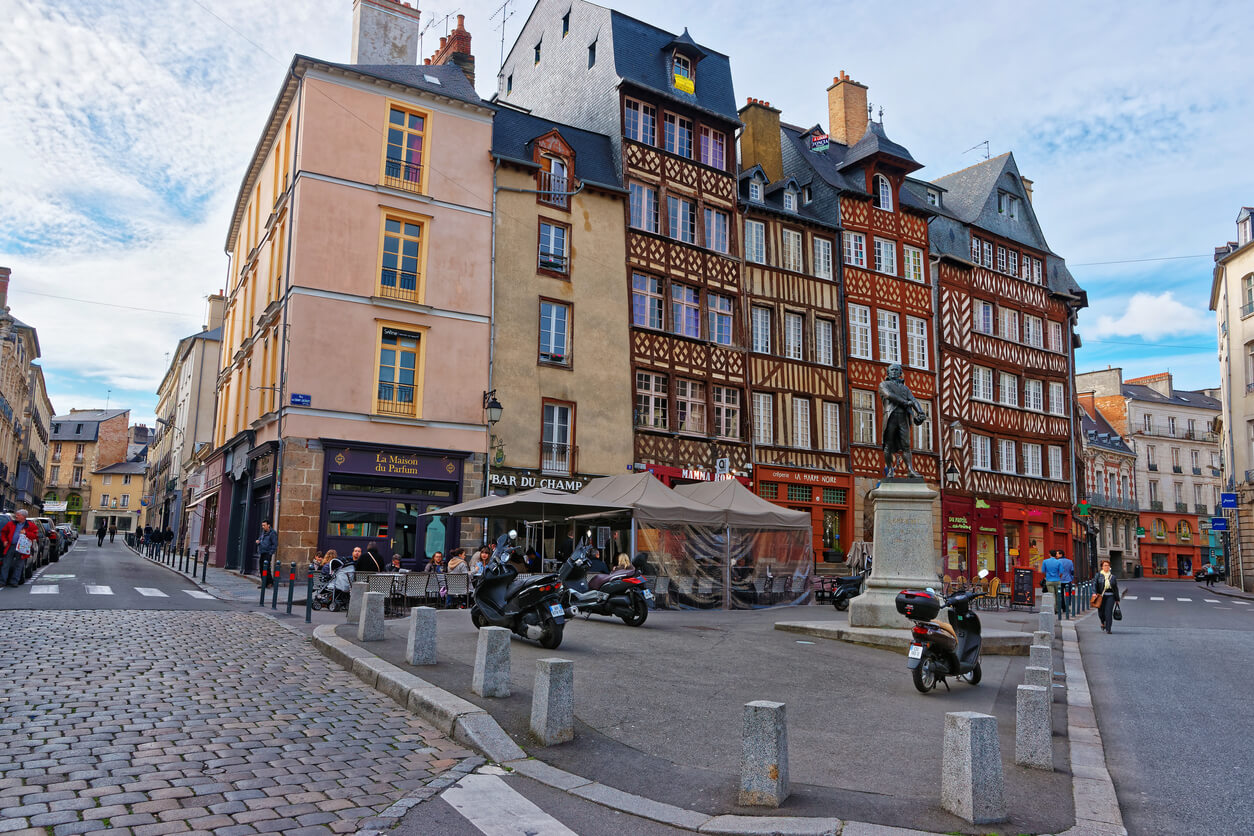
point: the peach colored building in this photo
(355, 342)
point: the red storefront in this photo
(998, 536)
(827, 497)
(672, 476)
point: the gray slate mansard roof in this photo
(773, 198)
(642, 56)
(1099, 433)
(1182, 397)
(513, 132)
(450, 81)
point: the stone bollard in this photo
(764, 755)
(355, 596)
(972, 786)
(420, 648)
(1043, 638)
(1046, 621)
(370, 619)
(1040, 677)
(1033, 745)
(491, 677)
(553, 701)
(1041, 655)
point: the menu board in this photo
(1023, 593)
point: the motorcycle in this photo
(622, 593)
(846, 590)
(940, 650)
(531, 607)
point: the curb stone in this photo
(1096, 805)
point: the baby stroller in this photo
(332, 589)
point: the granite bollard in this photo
(1033, 745)
(764, 755)
(355, 596)
(972, 784)
(1042, 637)
(1041, 655)
(491, 677)
(420, 646)
(1046, 621)
(553, 701)
(370, 619)
(1040, 677)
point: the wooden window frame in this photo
(857, 413)
(423, 221)
(667, 118)
(673, 288)
(648, 294)
(420, 366)
(748, 238)
(653, 139)
(708, 134)
(711, 313)
(569, 362)
(718, 406)
(654, 396)
(548, 271)
(815, 242)
(570, 444)
(703, 402)
(800, 267)
(427, 132)
(880, 184)
(646, 190)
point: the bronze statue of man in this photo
(901, 409)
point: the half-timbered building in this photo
(1006, 321)
(667, 104)
(796, 358)
(886, 276)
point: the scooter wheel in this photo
(639, 611)
(476, 618)
(552, 636)
(841, 604)
(972, 678)
(925, 674)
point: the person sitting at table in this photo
(436, 564)
(623, 562)
(395, 565)
(457, 561)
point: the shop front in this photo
(972, 538)
(827, 497)
(1172, 546)
(549, 539)
(1029, 533)
(380, 494)
(672, 476)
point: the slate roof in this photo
(123, 467)
(513, 132)
(89, 416)
(873, 142)
(1180, 397)
(826, 164)
(642, 56)
(450, 81)
(773, 198)
(1099, 433)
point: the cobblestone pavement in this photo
(209, 722)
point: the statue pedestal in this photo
(905, 556)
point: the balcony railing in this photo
(398, 174)
(1247, 309)
(78, 458)
(557, 262)
(553, 189)
(1192, 435)
(395, 399)
(1120, 503)
(1153, 466)
(1156, 505)
(1182, 507)
(56, 457)
(1197, 471)
(558, 459)
(1201, 510)
(399, 284)
(1175, 468)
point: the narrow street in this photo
(1170, 686)
(148, 713)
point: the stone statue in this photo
(901, 409)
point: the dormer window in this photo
(681, 66)
(538, 44)
(790, 200)
(565, 24)
(755, 191)
(933, 197)
(882, 193)
(806, 195)
(1008, 205)
(1245, 231)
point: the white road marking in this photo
(1242, 603)
(1210, 600)
(1152, 598)
(45, 589)
(149, 592)
(196, 593)
(99, 590)
(1184, 599)
(1129, 597)
(497, 809)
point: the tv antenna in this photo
(983, 145)
(505, 13)
(431, 23)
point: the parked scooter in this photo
(530, 606)
(847, 589)
(942, 650)
(622, 593)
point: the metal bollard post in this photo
(291, 586)
(204, 567)
(309, 595)
(276, 576)
(182, 557)
(265, 569)
(195, 562)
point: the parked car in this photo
(69, 533)
(1220, 574)
(57, 543)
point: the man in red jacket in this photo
(18, 539)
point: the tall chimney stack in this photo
(759, 143)
(5, 272)
(846, 109)
(455, 49)
(384, 32)
(1027, 187)
(217, 306)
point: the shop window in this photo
(1160, 564)
(357, 524)
(834, 496)
(768, 490)
(799, 493)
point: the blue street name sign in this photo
(301, 400)
(1227, 500)
(1219, 524)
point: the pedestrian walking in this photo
(100, 534)
(1210, 574)
(267, 543)
(17, 538)
(1107, 588)
(1052, 568)
(147, 535)
(113, 532)
(1067, 585)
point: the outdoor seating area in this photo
(418, 589)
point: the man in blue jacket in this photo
(267, 543)
(1052, 567)
(1067, 573)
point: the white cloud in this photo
(1151, 317)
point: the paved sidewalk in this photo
(1230, 591)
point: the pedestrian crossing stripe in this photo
(1185, 599)
(1152, 598)
(98, 590)
(1129, 597)
(1242, 603)
(1210, 600)
(196, 593)
(149, 592)
(496, 808)
(45, 589)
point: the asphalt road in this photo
(1171, 690)
(108, 577)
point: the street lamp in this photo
(951, 474)
(492, 406)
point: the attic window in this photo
(1008, 204)
(431, 79)
(755, 191)
(790, 200)
(592, 54)
(933, 197)
(683, 78)
(883, 193)
(537, 58)
(509, 84)
(806, 195)
(565, 24)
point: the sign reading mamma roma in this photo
(393, 463)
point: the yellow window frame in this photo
(400, 179)
(419, 294)
(420, 367)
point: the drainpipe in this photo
(1071, 406)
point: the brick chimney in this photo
(846, 109)
(1160, 383)
(455, 49)
(5, 272)
(759, 143)
(1027, 186)
(384, 32)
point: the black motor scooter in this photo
(622, 593)
(940, 650)
(530, 606)
(847, 589)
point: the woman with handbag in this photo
(1106, 587)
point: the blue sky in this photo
(128, 125)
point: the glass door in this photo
(404, 539)
(357, 522)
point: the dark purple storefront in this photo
(379, 494)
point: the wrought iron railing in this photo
(1156, 505)
(399, 284)
(399, 174)
(1201, 510)
(557, 458)
(1121, 503)
(557, 262)
(1182, 507)
(395, 399)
